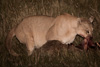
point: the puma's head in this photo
(85, 27)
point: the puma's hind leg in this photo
(30, 45)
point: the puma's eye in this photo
(87, 31)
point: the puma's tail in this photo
(10, 35)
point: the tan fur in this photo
(37, 30)
(9, 40)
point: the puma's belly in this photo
(39, 41)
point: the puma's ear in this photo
(79, 20)
(91, 19)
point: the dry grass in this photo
(50, 55)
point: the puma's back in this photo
(36, 27)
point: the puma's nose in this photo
(90, 36)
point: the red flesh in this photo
(86, 43)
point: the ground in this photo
(52, 54)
